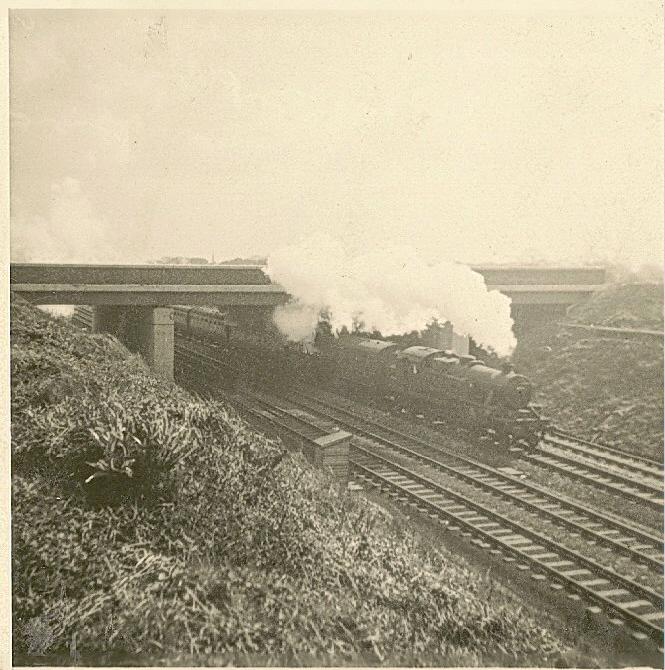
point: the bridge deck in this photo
(250, 295)
(249, 285)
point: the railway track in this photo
(613, 332)
(599, 528)
(623, 599)
(605, 454)
(611, 469)
(639, 480)
(630, 478)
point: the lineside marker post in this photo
(332, 452)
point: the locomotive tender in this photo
(436, 383)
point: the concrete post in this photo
(332, 452)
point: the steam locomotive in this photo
(455, 389)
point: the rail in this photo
(616, 333)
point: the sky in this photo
(464, 134)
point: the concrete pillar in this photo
(147, 330)
(157, 341)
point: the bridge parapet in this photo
(147, 275)
(524, 275)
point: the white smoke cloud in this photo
(58, 310)
(71, 232)
(390, 289)
(297, 321)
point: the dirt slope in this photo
(605, 389)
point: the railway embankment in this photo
(604, 389)
(149, 523)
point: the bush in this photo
(151, 524)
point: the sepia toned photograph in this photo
(336, 334)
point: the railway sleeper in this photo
(612, 593)
(432, 497)
(538, 576)
(531, 498)
(453, 508)
(558, 564)
(608, 531)
(535, 547)
(518, 541)
(474, 519)
(510, 539)
(598, 581)
(578, 572)
(500, 532)
(637, 604)
(466, 515)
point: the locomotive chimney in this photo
(440, 336)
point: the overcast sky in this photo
(470, 135)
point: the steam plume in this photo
(71, 232)
(391, 290)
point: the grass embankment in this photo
(609, 390)
(152, 526)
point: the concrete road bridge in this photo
(540, 294)
(134, 302)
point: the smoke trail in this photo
(297, 321)
(391, 290)
(58, 310)
(71, 232)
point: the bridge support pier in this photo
(147, 330)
